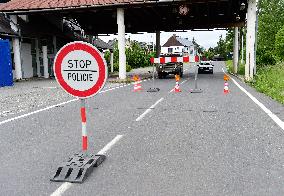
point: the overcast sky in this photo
(204, 38)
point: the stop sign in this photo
(80, 69)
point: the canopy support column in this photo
(121, 43)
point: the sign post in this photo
(81, 71)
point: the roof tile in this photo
(18, 5)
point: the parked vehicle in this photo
(205, 66)
(169, 68)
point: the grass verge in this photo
(230, 67)
(270, 81)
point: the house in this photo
(101, 45)
(115, 41)
(178, 45)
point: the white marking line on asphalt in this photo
(66, 185)
(174, 88)
(275, 118)
(49, 107)
(110, 144)
(37, 111)
(62, 189)
(149, 109)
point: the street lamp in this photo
(243, 6)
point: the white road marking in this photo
(37, 111)
(49, 87)
(66, 185)
(53, 106)
(183, 82)
(275, 118)
(61, 189)
(149, 109)
(110, 144)
(174, 88)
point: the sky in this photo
(204, 38)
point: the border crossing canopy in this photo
(140, 16)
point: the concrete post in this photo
(16, 48)
(158, 43)
(250, 45)
(236, 50)
(111, 61)
(37, 57)
(45, 61)
(121, 43)
(17, 58)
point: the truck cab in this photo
(164, 69)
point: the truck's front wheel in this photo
(160, 75)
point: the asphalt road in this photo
(185, 144)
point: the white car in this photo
(205, 66)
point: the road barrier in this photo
(185, 59)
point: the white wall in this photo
(175, 49)
(179, 49)
(27, 64)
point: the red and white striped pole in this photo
(84, 126)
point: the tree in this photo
(136, 56)
(209, 54)
(279, 45)
(229, 40)
(220, 49)
(271, 19)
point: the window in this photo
(170, 50)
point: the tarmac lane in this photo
(32, 147)
(182, 144)
(196, 144)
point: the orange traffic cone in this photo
(226, 88)
(177, 89)
(226, 77)
(137, 84)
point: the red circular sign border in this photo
(79, 45)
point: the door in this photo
(6, 75)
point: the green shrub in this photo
(279, 45)
(115, 66)
(241, 69)
(128, 68)
(269, 80)
(230, 67)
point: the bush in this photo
(116, 67)
(265, 57)
(136, 56)
(128, 68)
(230, 67)
(269, 80)
(279, 45)
(107, 57)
